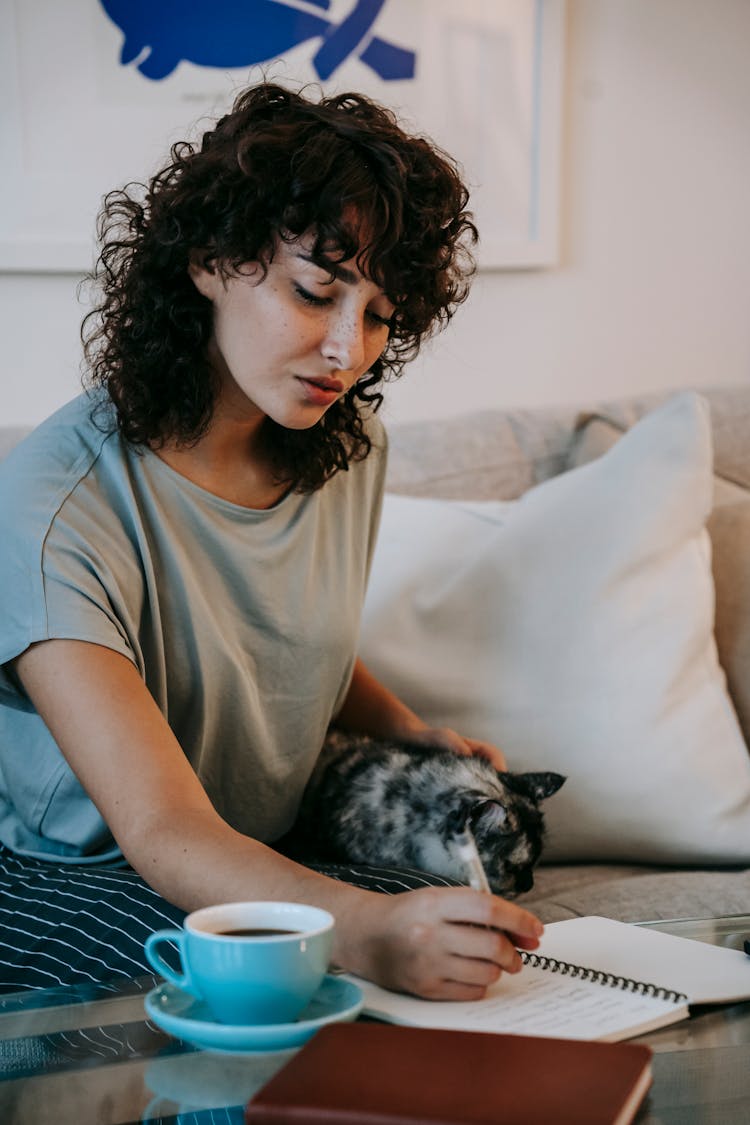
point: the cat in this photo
(396, 804)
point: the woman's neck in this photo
(230, 460)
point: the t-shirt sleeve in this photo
(53, 585)
(81, 596)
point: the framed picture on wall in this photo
(93, 92)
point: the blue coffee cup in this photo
(251, 962)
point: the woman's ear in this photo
(203, 273)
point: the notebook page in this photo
(533, 1002)
(705, 973)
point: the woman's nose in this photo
(344, 343)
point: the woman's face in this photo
(289, 344)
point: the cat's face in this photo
(508, 827)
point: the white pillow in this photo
(574, 628)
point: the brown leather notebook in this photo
(376, 1074)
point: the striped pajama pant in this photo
(64, 924)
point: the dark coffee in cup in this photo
(257, 932)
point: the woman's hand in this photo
(451, 740)
(442, 943)
(370, 708)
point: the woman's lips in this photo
(321, 392)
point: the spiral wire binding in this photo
(598, 976)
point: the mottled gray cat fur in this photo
(390, 803)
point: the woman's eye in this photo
(311, 298)
(385, 321)
(318, 302)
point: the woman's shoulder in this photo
(376, 432)
(80, 426)
(45, 467)
(367, 475)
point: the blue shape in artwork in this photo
(238, 33)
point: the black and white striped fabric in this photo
(64, 925)
(71, 925)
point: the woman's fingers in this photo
(480, 944)
(452, 740)
(467, 905)
(523, 942)
(487, 750)
(457, 990)
(448, 942)
(458, 979)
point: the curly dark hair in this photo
(277, 166)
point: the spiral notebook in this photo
(591, 978)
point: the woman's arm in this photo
(123, 752)
(370, 708)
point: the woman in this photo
(187, 546)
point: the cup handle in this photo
(157, 962)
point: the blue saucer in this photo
(180, 1014)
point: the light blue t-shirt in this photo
(243, 623)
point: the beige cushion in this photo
(499, 454)
(729, 528)
(494, 455)
(730, 425)
(574, 628)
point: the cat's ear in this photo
(472, 809)
(537, 786)
(490, 814)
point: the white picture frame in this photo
(76, 122)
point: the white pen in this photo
(466, 847)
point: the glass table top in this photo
(731, 931)
(87, 1055)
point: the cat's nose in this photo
(524, 881)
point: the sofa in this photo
(574, 583)
(666, 529)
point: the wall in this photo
(653, 287)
